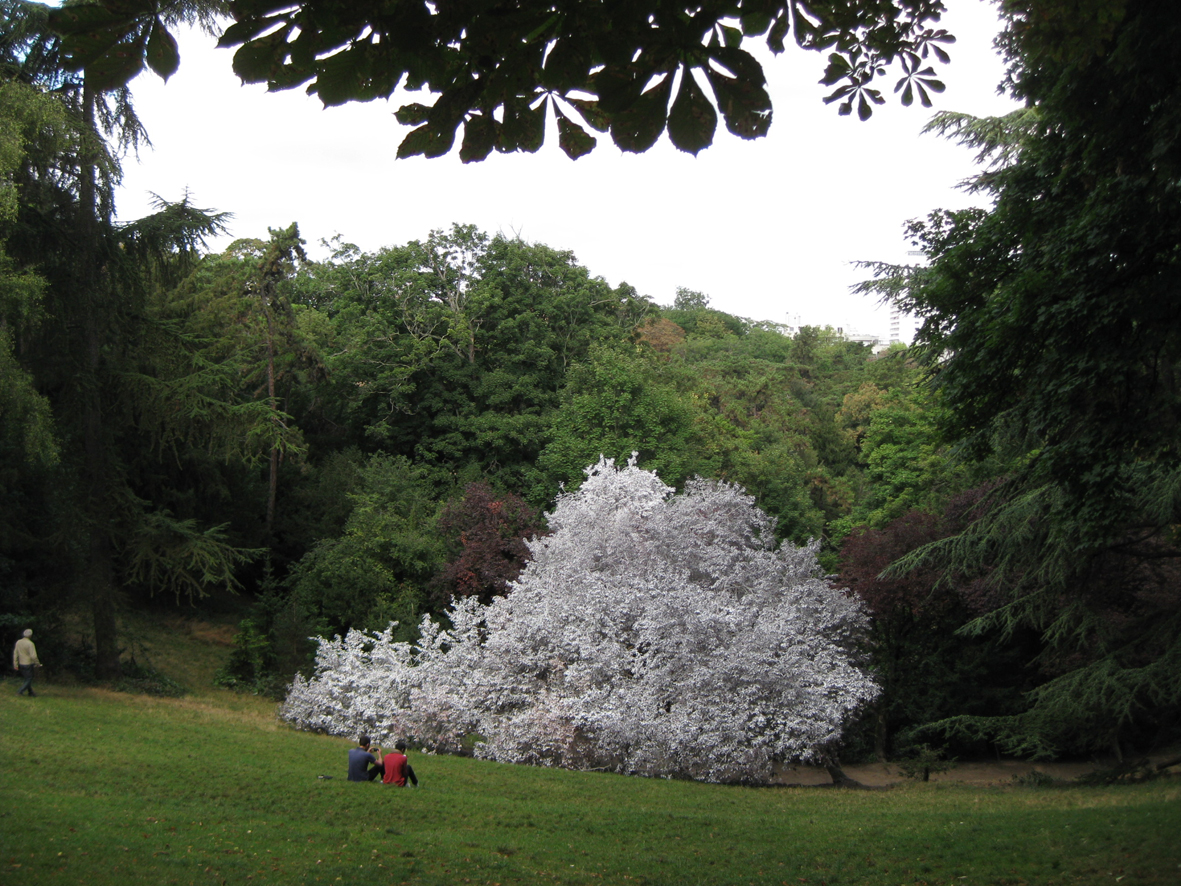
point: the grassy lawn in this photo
(104, 788)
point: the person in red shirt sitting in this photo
(397, 767)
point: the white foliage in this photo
(652, 633)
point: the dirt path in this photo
(982, 773)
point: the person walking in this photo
(24, 661)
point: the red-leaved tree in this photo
(926, 669)
(487, 532)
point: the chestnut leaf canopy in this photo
(497, 68)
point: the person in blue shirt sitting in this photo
(363, 765)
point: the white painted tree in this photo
(652, 633)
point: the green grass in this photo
(188, 650)
(101, 788)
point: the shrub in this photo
(650, 633)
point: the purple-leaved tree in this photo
(654, 633)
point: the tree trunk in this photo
(97, 509)
(273, 478)
(837, 774)
(98, 574)
(880, 734)
(103, 607)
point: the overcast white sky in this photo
(767, 229)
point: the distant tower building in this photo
(896, 312)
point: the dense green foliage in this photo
(83, 330)
(352, 440)
(185, 414)
(339, 411)
(1052, 330)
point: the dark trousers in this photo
(27, 673)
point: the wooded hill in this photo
(350, 441)
(354, 441)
